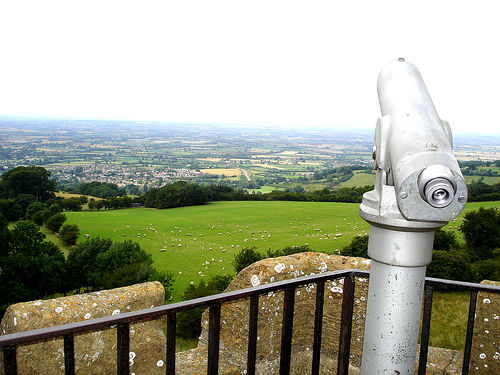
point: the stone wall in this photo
(234, 324)
(485, 355)
(234, 318)
(95, 353)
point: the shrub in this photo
(55, 221)
(481, 230)
(487, 269)
(357, 248)
(452, 265)
(189, 322)
(445, 240)
(34, 208)
(288, 250)
(246, 257)
(69, 234)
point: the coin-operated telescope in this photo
(418, 188)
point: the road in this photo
(245, 173)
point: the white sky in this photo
(285, 63)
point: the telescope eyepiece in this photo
(439, 192)
(437, 186)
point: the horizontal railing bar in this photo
(160, 311)
(464, 285)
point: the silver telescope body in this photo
(414, 148)
(418, 188)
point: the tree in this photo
(445, 240)
(121, 254)
(245, 257)
(10, 209)
(451, 265)
(31, 267)
(486, 269)
(481, 230)
(82, 266)
(55, 221)
(357, 248)
(177, 194)
(5, 237)
(28, 180)
(25, 200)
(50, 211)
(71, 204)
(34, 208)
(69, 234)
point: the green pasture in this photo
(490, 180)
(200, 241)
(359, 179)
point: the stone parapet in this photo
(95, 353)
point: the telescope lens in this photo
(439, 192)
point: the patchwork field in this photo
(200, 242)
(228, 172)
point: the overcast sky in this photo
(283, 63)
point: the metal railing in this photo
(122, 323)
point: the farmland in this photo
(200, 242)
(258, 159)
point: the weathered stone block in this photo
(95, 353)
(234, 317)
(485, 355)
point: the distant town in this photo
(144, 155)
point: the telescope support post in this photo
(394, 304)
(418, 188)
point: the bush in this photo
(71, 204)
(10, 209)
(288, 250)
(481, 230)
(189, 322)
(487, 269)
(357, 248)
(246, 257)
(451, 265)
(34, 208)
(52, 209)
(55, 221)
(445, 240)
(69, 234)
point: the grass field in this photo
(200, 241)
(449, 319)
(359, 179)
(490, 180)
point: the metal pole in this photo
(418, 188)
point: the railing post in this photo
(123, 349)
(470, 331)
(171, 325)
(252, 334)
(318, 327)
(287, 331)
(213, 339)
(346, 325)
(69, 355)
(10, 360)
(426, 329)
(418, 188)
